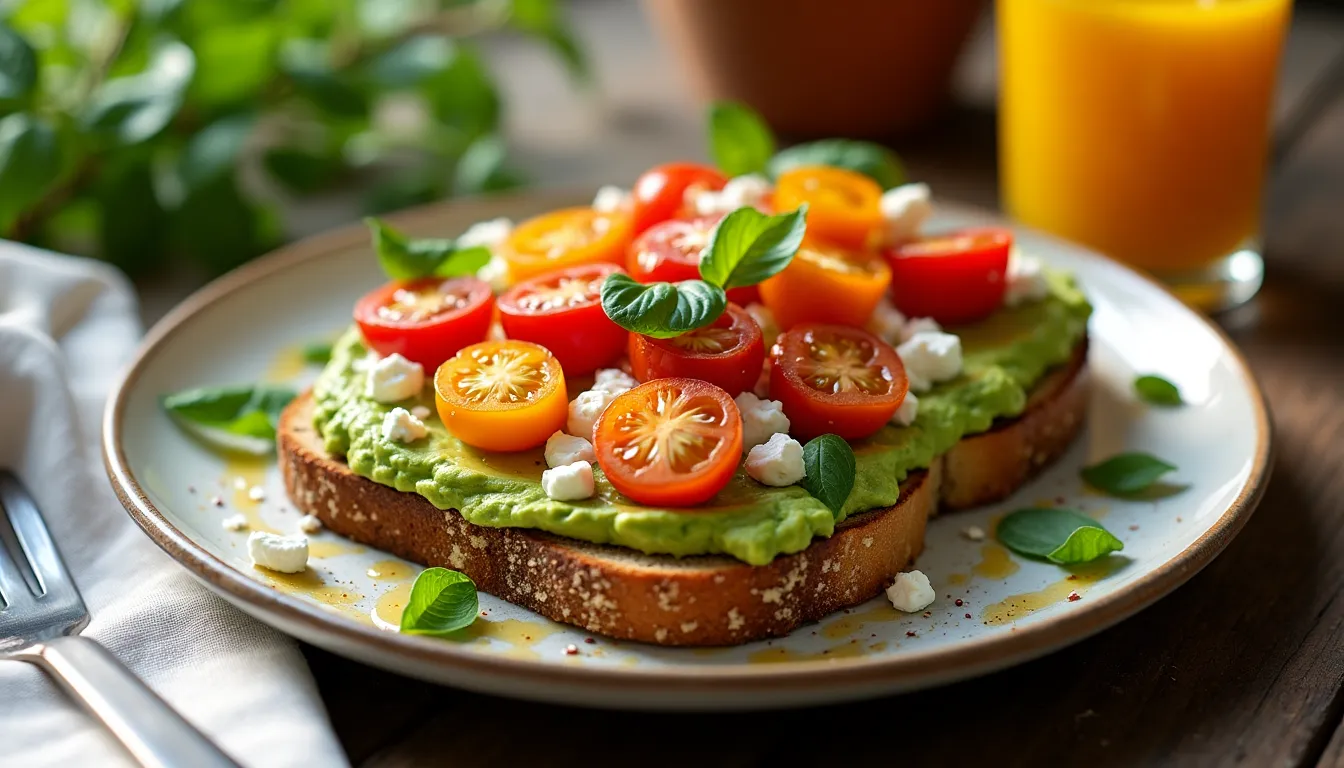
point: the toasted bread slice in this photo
(701, 600)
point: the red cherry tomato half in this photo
(836, 379)
(956, 278)
(727, 353)
(426, 320)
(562, 311)
(670, 252)
(660, 193)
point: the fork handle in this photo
(150, 730)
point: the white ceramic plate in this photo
(249, 325)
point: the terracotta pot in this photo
(857, 68)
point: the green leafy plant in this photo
(830, 469)
(239, 419)
(441, 602)
(1157, 390)
(148, 130)
(1061, 536)
(1126, 474)
(403, 258)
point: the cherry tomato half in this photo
(566, 238)
(660, 193)
(727, 353)
(670, 252)
(843, 206)
(427, 320)
(670, 442)
(956, 278)
(502, 395)
(562, 311)
(827, 284)
(836, 379)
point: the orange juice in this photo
(1139, 127)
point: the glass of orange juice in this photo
(1141, 128)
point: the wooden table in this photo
(1245, 664)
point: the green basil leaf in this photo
(30, 159)
(1050, 534)
(136, 108)
(241, 418)
(661, 310)
(863, 157)
(739, 140)
(18, 66)
(1126, 474)
(441, 601)
(829, 464)
(1157, 390)
(318, 352)
(405, 259)
(747, 246)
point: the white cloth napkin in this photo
(67, 326)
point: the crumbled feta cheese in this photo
(905, 209)
(568, 482)
(286, 554)
(886, 322)
(929, 358)
(235, 523)
(401, 426)
(614, 381)
(973, 532)
(911, 592)
(489, 234)
(420, 412)
(905, 415)
(394, 378)
(584, 411)
(610, 199)
(495, 274)
(1026, 280)
(256, 493)
(562, 449)
(778, 461)
(748, 191)
(760, 419)
(765, 319)
(310, 524)
(919, 325)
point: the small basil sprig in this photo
(403, 258)
(1061, 536)
(829, 467)
(739, 140)
(441, 601)
(747, 247)
(318, 352)
(241, 419)
(1157, 390)
(1126, 474)
(873, 160)
(661, 310)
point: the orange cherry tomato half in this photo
(660, 193)
(566, 238)
(427, 320)
(502, 395)
(827, 284)
(956, 278)
(670, 251)
(562, 311)
(836, 379)
(843, 206)
(670, 442)
(727, 353)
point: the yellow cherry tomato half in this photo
(827, 284)
(502, 395)
(843, 207)
(569, 237)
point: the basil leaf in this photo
(1157, 390)
(748, 246)
(405, 259)
(661, 310)
(441, 601)
(318, 353)
(1059, 535)
(863, 157)
(242, 418)
(739, 140)
(829, 465)
(1126, 474)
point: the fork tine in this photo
(14, 587)
(59, 588)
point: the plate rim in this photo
(904, 670)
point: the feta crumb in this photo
(310, 524)
(256, 493)
(286, 554)
(401, 426)
(905, 415)
(778, 461)
(394, 378)
(420, 412)
(905, 209)
(919, 325)
(929, 358)
(911, 592)
(1026, 280)
(568, 482)
(610, 199)
(495, 274)
(765, 319)
(760, 419)
(614, 381)
(887, 322)
(235, 523)
(490, 234)
(584, 411)
(562, 449)
(747, 191)
(973, 532)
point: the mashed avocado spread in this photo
(1003, 357)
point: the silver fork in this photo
(40, 622)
